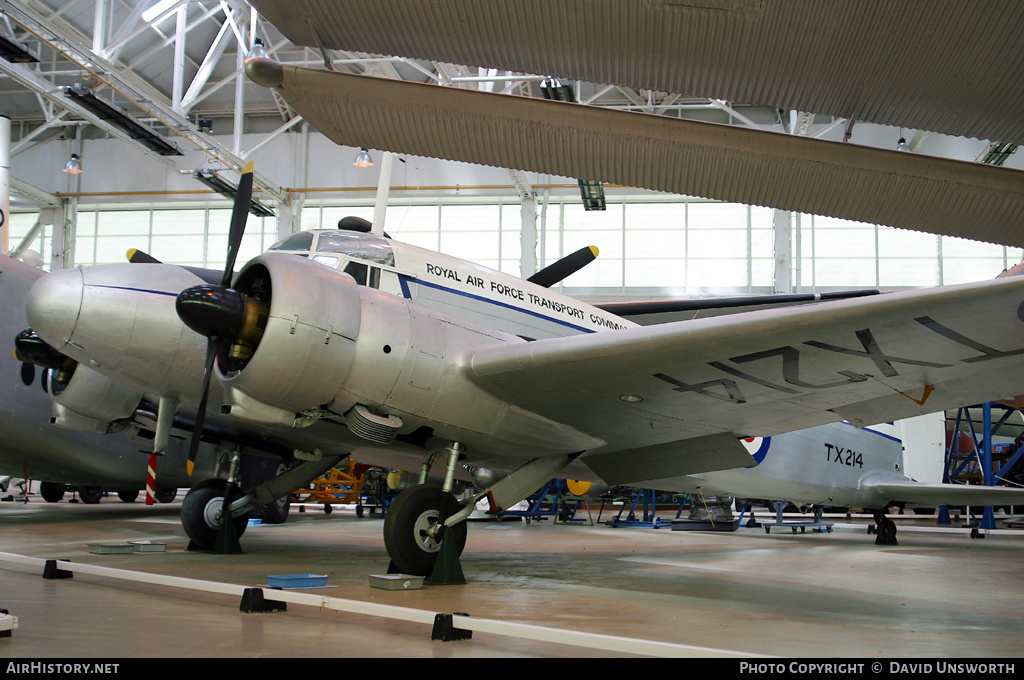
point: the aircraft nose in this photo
(54, 304)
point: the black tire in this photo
(165, 494)
(200, 513)
(52, 492)
(128, 495)
(90, 495)
(414, 511)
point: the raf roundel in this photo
(757, 446)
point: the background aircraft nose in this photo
(54, 303)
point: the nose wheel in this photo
(413, 528)
(202, 513)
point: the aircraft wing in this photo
(885, 61)
(729, 163)
(946, 494)
(864, 360)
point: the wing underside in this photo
(788, 172)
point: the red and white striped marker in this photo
(151, 479)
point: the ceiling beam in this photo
(129, 86)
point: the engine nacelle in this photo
(93, 402)
(307, 346)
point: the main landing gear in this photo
(425, 527)
(414, 528)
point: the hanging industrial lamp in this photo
(363, 159)
(73, 166)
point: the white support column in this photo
(528, 238)
(63, 244)
(99, 26)
(239, 119)
(782, 222)
(178, 68)
(5, 183)
(383, 189)
(528, 231)
(289, 216)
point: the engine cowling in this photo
(306, 346)
(93, 402)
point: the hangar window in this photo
(650, 245)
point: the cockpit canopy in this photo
(351, 251)
(354, 245)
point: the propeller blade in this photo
(239, 215)
(136, 256)
(197, 428)
(570, 264)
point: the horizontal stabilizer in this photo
(947, 494)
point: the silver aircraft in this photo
(350, 342)
(80, 452)
(841, 466)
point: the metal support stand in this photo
(447, 568)
(960, 462)
(650, 509)
(815, 525)
(539, 505)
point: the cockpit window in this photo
(303, 240)
(356, 245)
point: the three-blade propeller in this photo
(212, 310)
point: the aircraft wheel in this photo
(416, 510)
(165, 494)
(201, 513)
(90, 495)
(52, 492)
(128, 495)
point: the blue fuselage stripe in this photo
(136, 290)
(880, 434)
(408, 295)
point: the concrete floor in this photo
(804, 595)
